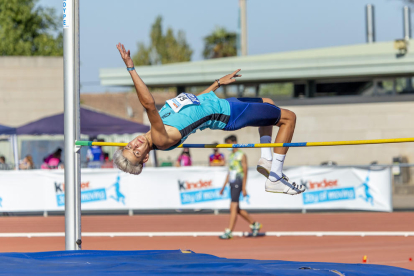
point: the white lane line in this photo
(210, 234)
(342, 233)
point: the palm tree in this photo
(220, 43)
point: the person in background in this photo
(27, 163)
(56, 153)
(3, 165)
(53, 161)
(107, 163)
(106, 156)
(184, 159)
(94, 153)
(102, 157)
(237, 177)
(217, 158)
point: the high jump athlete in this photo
(185, 114)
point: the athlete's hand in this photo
(126, 55)
(221, 191)
(244, 192)
(230, 78)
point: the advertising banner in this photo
(195, 188)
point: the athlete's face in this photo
(137, 151)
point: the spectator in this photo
(94, 153)
(26, 163)
(107, 164)
(57, 152)
(102, 157)
(3, 165)
(217, 158)
(53, 161)
(184, 159)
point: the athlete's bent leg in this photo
(286, 126)
(277, 182)
(262, 113)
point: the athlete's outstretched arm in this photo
(227, 79)
(143, 93)
(158, 133)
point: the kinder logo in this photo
(187, 185)
(92, 195)
(200, 191)
(60, 187)
(322, 184)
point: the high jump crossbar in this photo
(268, 145)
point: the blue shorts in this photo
(251, 112)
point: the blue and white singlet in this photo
(188, 113)
(212, 113)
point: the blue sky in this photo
(273, 26)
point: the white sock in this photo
(277, 166)
(266, 152)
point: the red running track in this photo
(394, 251)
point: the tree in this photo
(29, 31)
(163, 49)
(220, 43)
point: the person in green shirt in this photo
(237, 178)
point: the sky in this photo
(273, 26)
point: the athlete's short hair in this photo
(232, 138)
(125, 165)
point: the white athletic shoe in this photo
(283, 186)
(264, 166)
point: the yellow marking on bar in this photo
(109, 144)
(360, 142)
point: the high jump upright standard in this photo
(71, 63)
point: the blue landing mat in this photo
(170, 262)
